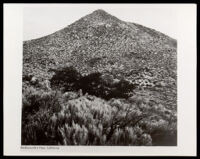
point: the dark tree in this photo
(93, 84)
(66, 78)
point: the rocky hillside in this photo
(101, 42)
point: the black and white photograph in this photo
(100, 77)
(99, 81)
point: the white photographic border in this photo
(186, 56)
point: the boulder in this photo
(34, 80)
(70, 95)
(115, 81)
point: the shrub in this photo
(66, 78)
(162, 132)
(91, 84)
(34, 99)
(84, 121)
(26, 77)
(122, 89)
(38, 106)
(98, 123)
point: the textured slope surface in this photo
(99, 42)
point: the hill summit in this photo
(101, 16)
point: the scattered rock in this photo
(34, 80)
(70, 95)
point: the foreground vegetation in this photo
(93, 110)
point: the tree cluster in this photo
(69, 79)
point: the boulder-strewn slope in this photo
(101, 42)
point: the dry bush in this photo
(85, 120)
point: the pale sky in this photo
(43, 19)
